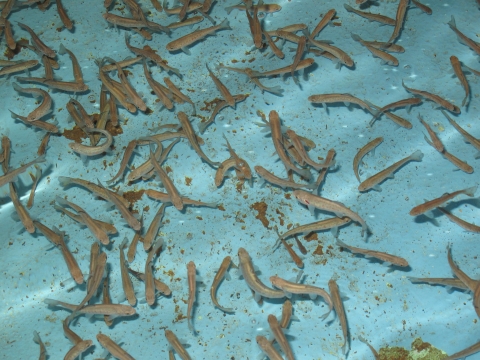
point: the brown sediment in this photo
(133, 196)
(76, 134)
(261, 207)
(311, 236)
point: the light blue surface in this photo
(384, 307)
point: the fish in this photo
(401, 103)
(435, 98)
(280, 336)
(341, 56)
(186, 40)
(386, 58)
(44, 108)
(457, 68)
(388, 258)
(176, 91)
(220, 105)
(465, 352)
(63, 15)
(149, 280)
(273, 179)
(339, 309)
(399, 19)
(12, 174)
(436, 142)
(96, 279)
(134, 23)
(263, 8)
(462, 223)
(151, 234)
(125, 159)
(373, 181)
(221, 274)
(330, 14)
(187, 22)
(176, 345)
(295, 288)
(332, 223)
(95, 309)
(159, 286)
(325, 99)
(9, 39)
(432, 204)
(464, 39)
(276, 130)
(286, 69)
(298, 55)
(176, 11)
(172, 191)
(468, 138)
(222, 88)
(37, 42)
(372, 349)
(128, 89)
(57, 238)
(127, 284)
(268, 348)
(18, 67)
(462, 165)
(255, 284)
(151, 54)
(371, 17)
(22, 213)
(67, 86)
(163, 197)
(422, 7)
(85, 150)
(96, 189)
(296, 259)
(113, 348)
(362, 152)
(187, 128)
(298, 143)
(77, 70)
(275, 50)
(192, 289)
(131, 220)
(114, 91)
(339, 209)
(43, 350)
(106, 301)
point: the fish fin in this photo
(186, 51)
(471, 191)
(257, 297)
(312, 209)
(334, 231)
(377, 188)
(288, 294)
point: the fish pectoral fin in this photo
(377, 188)
(257, 297)
(186, 51)
(288, 294)
(334, 231)
(312, 296)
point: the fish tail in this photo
(64, 181)
(354, 36)
(40, 159)
(451, 23)
(225, 24)
(417, 156)
(471, 191)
